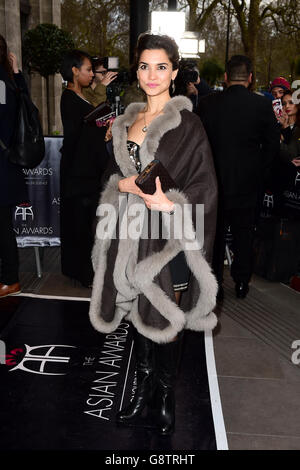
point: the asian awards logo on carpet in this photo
(42, 360)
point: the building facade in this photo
(16, 17)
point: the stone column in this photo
(47, 11)
(2, 18)
(10, 26)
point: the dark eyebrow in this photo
(162, 63)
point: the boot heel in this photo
(166, 417)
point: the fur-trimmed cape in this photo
(132, 276)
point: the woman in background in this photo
(82, 164)
(290, 122)
(12, 182)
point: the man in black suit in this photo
(244, 137)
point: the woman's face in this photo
(155, 72)
(84, 75)
(289, 106)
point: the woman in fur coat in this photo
(161, 282)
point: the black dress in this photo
(180, 271)
(83, 161)
(12, 181)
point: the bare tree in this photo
(252, 15)
(102, 27)
(99, 26)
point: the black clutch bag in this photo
(146, 180)
(103, 112)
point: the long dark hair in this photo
(290, 93)
(4, 60)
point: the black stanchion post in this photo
(139, 12)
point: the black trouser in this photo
(8, 248)
(242, 224)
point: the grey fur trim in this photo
(127, 257)
(167, 308)
(170, 119)
(201, 317)
(110, 195)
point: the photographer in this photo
(96, 92)
(189, 83)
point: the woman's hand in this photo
(157, 201)
(284, 120)
(13, 62)
(191, 89)
(108, 135)
(127, 185)
(296, 161)
(108, 78)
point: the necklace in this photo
(145, 128)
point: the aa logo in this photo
(296, 355)
(43, 360)
(268, 200)
(24, 211)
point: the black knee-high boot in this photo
(144, 352)
(167, 358)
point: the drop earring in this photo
(173, 86)
(138, 85)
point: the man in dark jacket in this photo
(245, 138)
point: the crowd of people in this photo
(219, 149)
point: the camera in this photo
(122, 78)
(189, 76)
(187, 73)
(109, 63)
